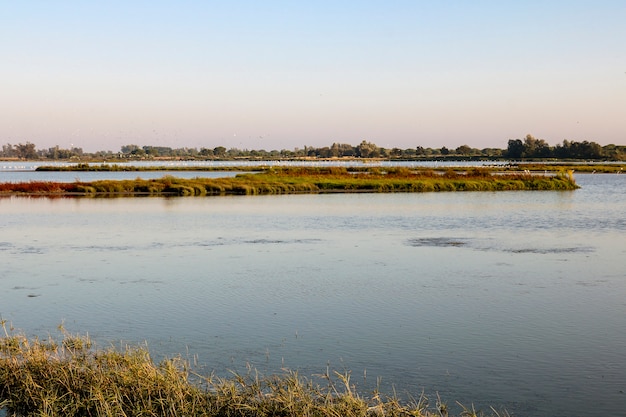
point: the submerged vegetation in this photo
(72, 377)
(305, 180)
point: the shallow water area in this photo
(512, 299)
(89, 176)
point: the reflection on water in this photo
(511, 298)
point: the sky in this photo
(287, 74)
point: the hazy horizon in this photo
(277, 75)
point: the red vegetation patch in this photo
(35, 187)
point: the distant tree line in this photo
(531, 147)
(29, 151)
(526, 148)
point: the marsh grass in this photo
(30, 187)
(72, 377)
(608, 168)
(306, 180)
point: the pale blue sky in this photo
(284, 74)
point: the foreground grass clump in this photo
(306, 180)
(73, 378)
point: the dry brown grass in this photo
(71, 377)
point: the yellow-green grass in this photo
(575, 166)
(73, 377)
(305, 180)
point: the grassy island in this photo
(297, 180)
(71, 377)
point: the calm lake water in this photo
(509, 299)
(16, 171)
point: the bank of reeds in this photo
(71, 377)
(598, 168)
(306, 180)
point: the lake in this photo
(509, 299)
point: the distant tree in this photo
(234, 152)
(409, 153)
(151, 151)
(535, 148)
(345, 149)
(58, 153)
(396, 153)
(191, 152)
(580, 150)
(614, 153)
(463, 150)
(128, 149)
(324, 152)
(274, 153)
(219, 151)
(157, 150)
(297, 152)
(26, 150)
(444, 150)
(592, 150)
(309, 151)
(206, 152)
(515, 149)
(367, 150)
(492, 152)
(286, 153)
(8, 151)
(563, 150)
(103, 154)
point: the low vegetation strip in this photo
(522, 166)
(304, 180)
(577, 167)
(85, 167)
(72, 377)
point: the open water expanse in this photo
(508, 299)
